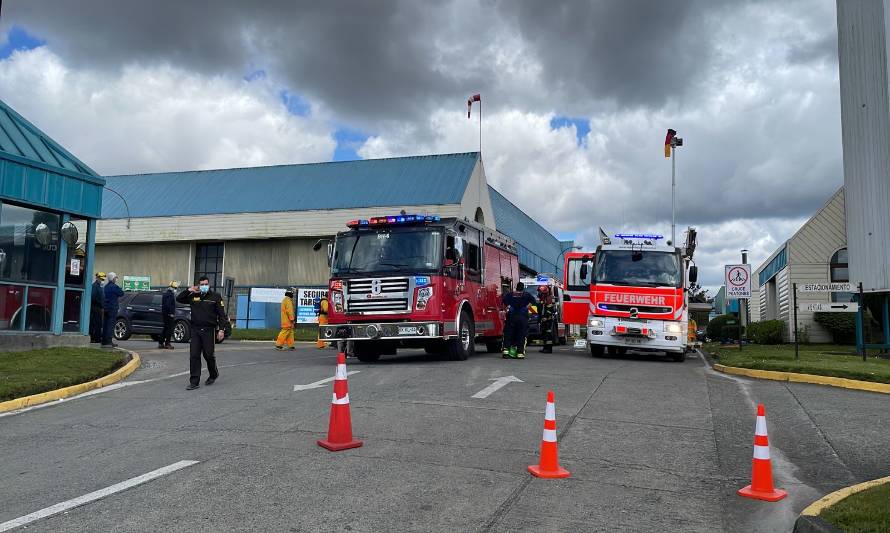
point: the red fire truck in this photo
(638, 295)
(418, 281)
(576, 303)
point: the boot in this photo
(547, 349)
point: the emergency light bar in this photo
(394, 220)
(638, 236)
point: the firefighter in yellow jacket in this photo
(322, 319)
(286, 336)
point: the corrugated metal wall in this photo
(276, 263)
(164, 262)
(865, 113)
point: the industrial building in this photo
(45, 261)
(258, 225)
(816, 253)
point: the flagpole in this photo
(480, 128)
(673, 193)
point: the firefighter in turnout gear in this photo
(518, 304)
(322, 319)
(286, 335)
(546, 316)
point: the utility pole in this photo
(743, 305)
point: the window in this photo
(839, 271)
(209, 262)
(71, 314)
(11, 297)
(142, 299)
(29, 244)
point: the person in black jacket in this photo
(208, 325)
(112, 295)
(97, 299)
(168, 311)
(517, 304)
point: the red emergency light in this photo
(621, 330)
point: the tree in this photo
(697, 294)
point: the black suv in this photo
(140, 313)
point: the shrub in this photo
(767, 331)
(715, 327)
(842, 326)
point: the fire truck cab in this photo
(418, 281)
(638, 296)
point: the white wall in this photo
(477, 196)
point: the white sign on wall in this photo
(306, 309)
(75, 267)
(827, 287)
(272, 296)
(839, 307)
(738, 281)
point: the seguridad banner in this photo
(307, 310)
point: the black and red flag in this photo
(470, 100)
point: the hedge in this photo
(842, 326)
(767, 331)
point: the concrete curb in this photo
(843, 383)
(74, 390)
(809, 521)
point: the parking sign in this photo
(738, 281)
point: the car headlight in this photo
(423, 297)
(595, 323)
(673, 327)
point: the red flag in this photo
(667, 142)
(470, 100)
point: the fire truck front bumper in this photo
(635, 335)
(380, 331)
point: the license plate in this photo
(407, 330)
(631, 340)
(580, 343)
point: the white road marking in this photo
(93, 496)
(321, 383)
(498, 383)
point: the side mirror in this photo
(330, 253)
(693, 274)
(583, 271)
(317, 246)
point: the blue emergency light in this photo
(638, 236)
(394, 220)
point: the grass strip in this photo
(36, 371)
(864, 512)
(822, 360)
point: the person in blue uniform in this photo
(517, 304)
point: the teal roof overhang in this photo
(37, 171)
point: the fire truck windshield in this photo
(387, 250)
(651, 269)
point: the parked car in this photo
(140, 314)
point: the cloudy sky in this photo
(577, 97)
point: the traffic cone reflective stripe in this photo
(761, 487)
(549, 463)
(340, 425)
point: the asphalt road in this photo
(652, 446)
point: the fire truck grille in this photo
(377, 295)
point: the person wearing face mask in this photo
(97, 300)
(208, 325)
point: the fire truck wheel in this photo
(617, 350)
(463, 346)
(366, 352)
(597, 350)
(679, 357)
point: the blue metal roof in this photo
(539, 250)
(417, 180)
(36, 170)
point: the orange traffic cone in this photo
(549, 467)
(761, 487)
(340, 426)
